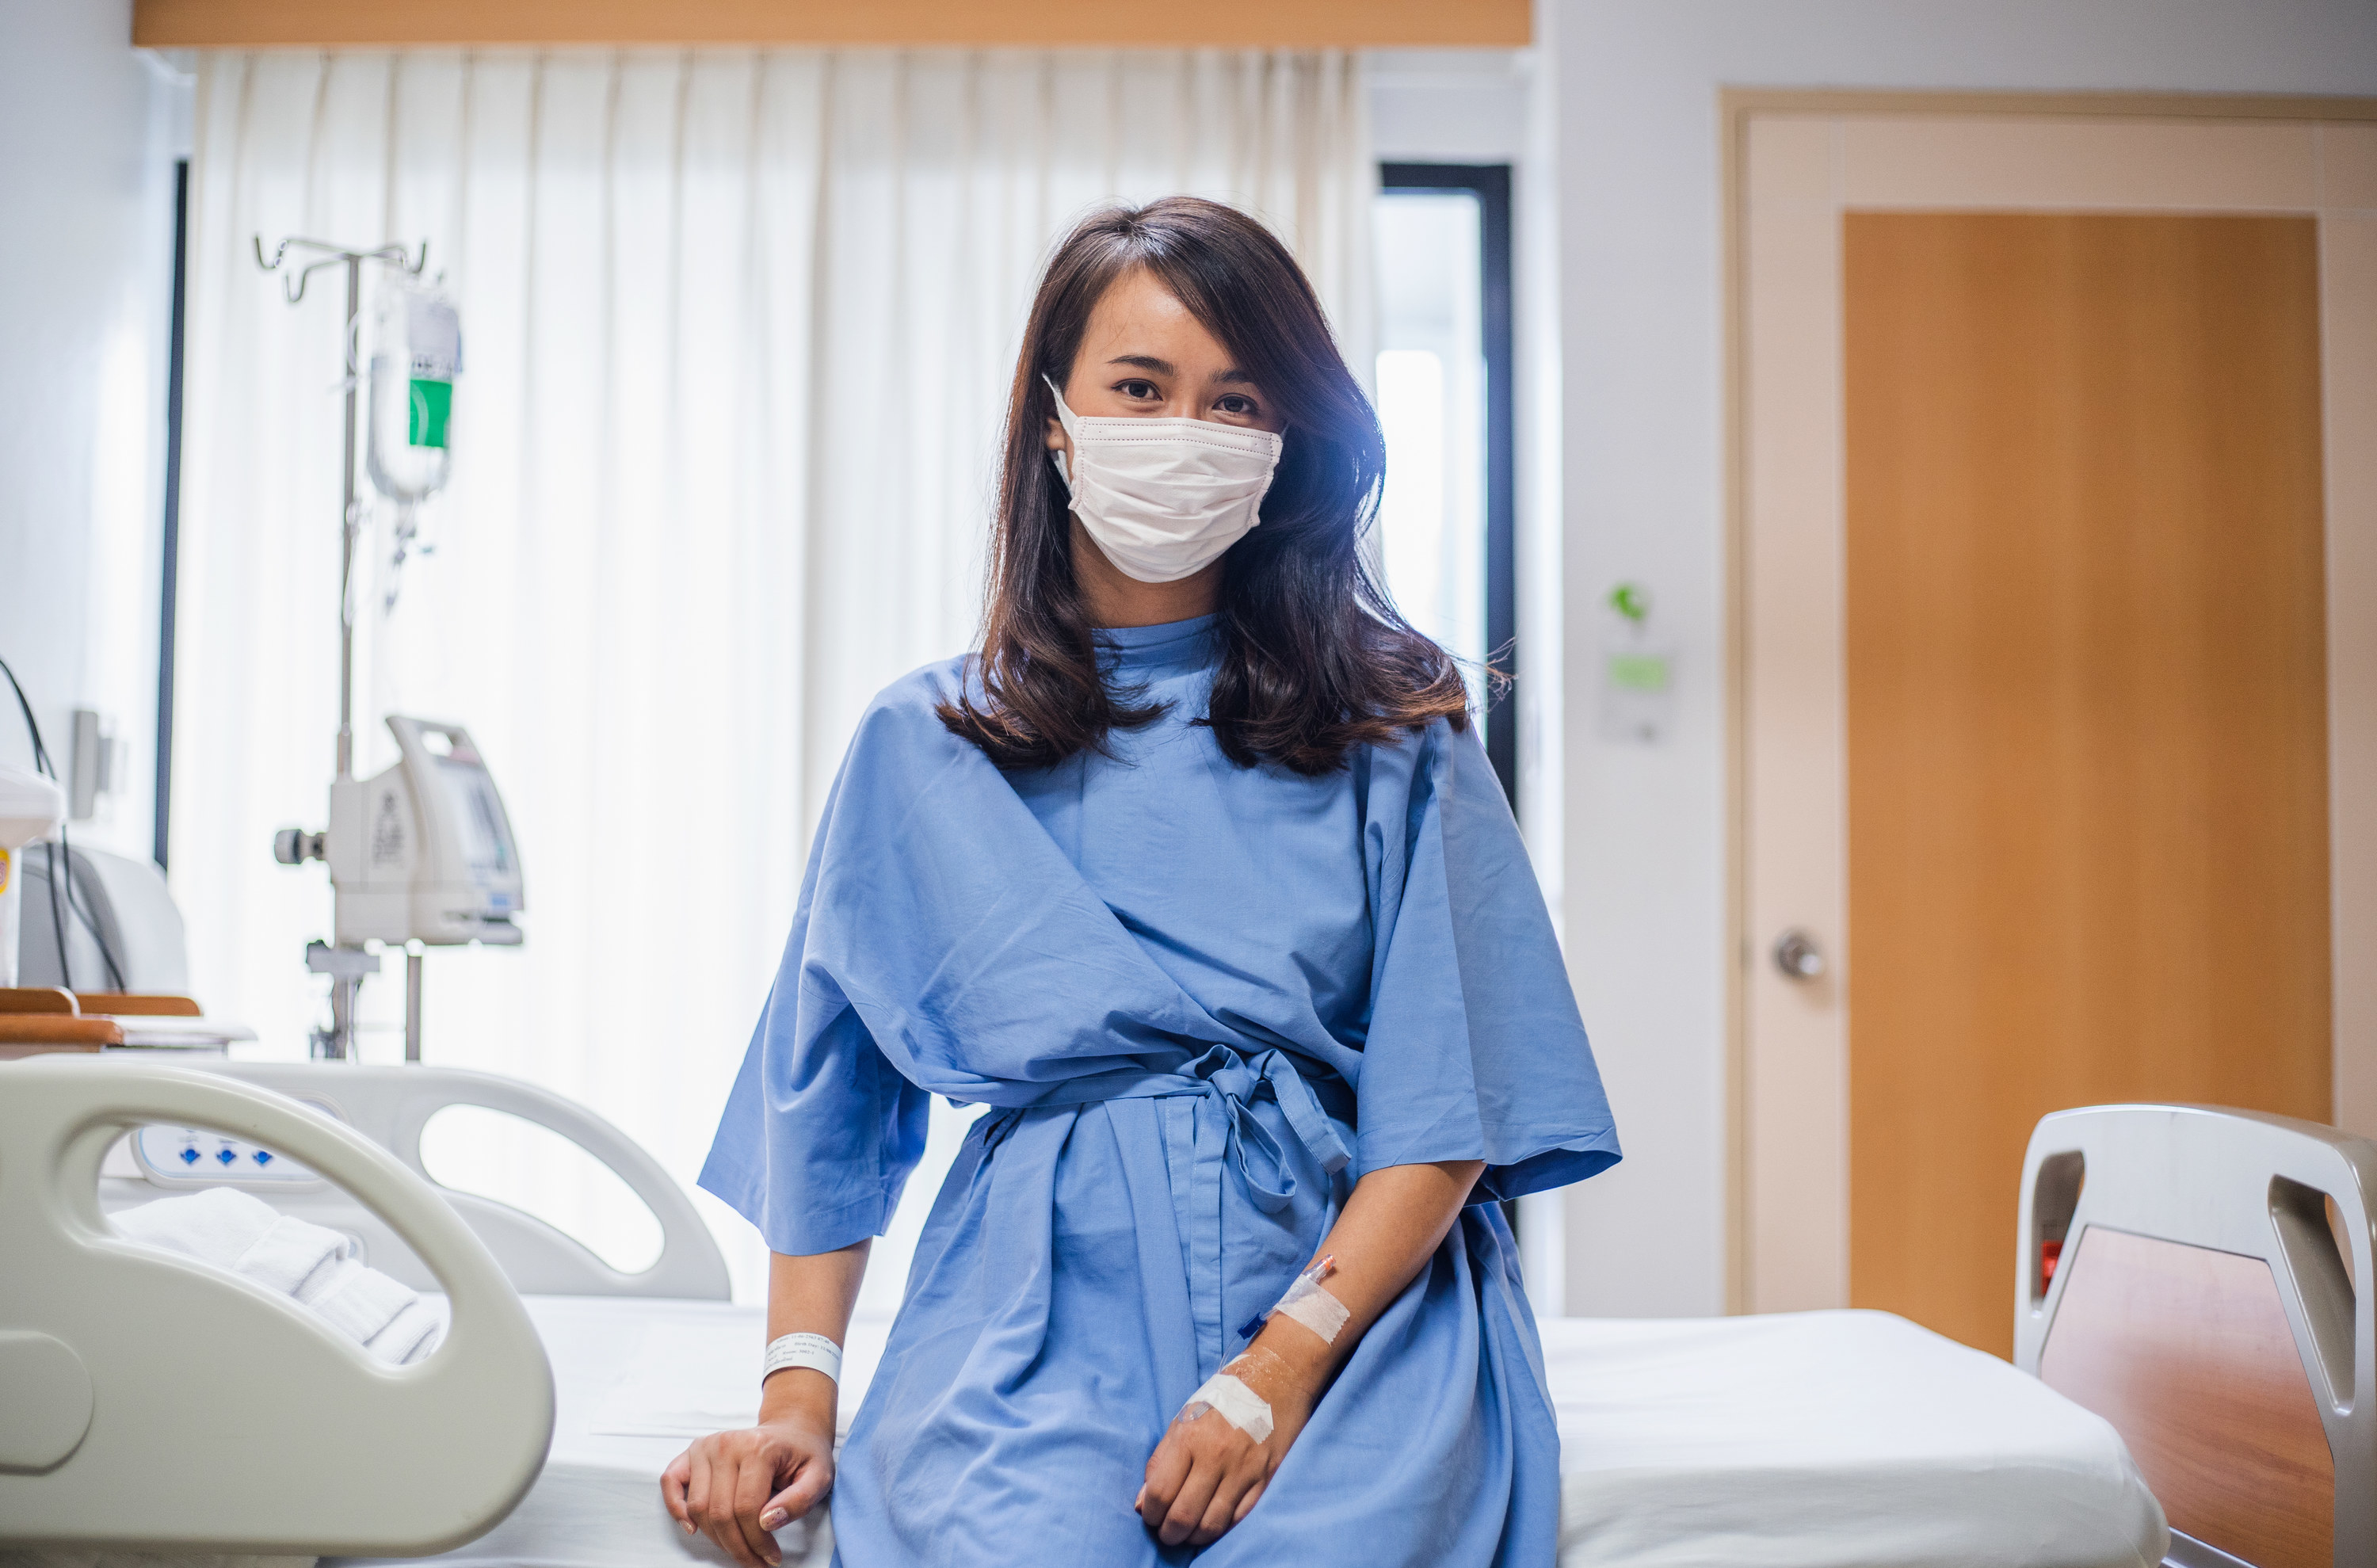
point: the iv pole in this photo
(345, 965)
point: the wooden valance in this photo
(1279, 24)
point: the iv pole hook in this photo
(293, 287)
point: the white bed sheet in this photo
(634, 1381)
(1829, 1440)
(1817, 1440)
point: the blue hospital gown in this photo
(1201, 1001)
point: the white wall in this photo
(1493, 106)
(1449, 105)
(1641, 371)
(89, 131)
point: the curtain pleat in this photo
(738, 328)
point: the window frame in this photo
(1491, 183)
(168, 587)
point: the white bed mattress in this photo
(634, 1380)
(1818, 1439)
(1829, 1440)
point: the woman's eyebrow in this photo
(1232, 377)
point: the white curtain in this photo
(738, 330)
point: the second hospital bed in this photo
(1828, 1440)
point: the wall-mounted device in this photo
(97, 764)
(1638, 697)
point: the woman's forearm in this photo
(1205, 1474)
(739, 1486)
(809, 1295)
(1388, 1230)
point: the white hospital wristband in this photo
(814, 1351)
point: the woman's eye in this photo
(1243, 407)
(1138, 389)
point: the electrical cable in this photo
(77, 898)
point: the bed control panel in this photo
(195, 1156)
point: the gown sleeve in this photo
(1475, 1048)
(820, 1131)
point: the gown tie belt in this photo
(1234, 1082)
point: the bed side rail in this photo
(391, 1106)
(2189, 1272)
(150, 1402)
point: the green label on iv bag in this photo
(432, 403)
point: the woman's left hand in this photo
(1206, 1474)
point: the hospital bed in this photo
(1829, 1440)
(2202, 1278)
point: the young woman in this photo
(1197, 876)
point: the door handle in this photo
(1797, 954)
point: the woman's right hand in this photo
(738, 1487)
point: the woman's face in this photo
(1145, 356)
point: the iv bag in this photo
(416, 354)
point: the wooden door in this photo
(2087, 724)
(2056, 642)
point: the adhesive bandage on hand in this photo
(1228, 1395)
(1225, 1397)
(814, 1351)
(1313, 1307)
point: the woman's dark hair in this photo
(1314, 656)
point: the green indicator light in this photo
(1638, 672)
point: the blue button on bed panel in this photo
(172, 1157)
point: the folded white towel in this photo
(239, 1232)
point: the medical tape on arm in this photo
(1313, 1307)
(814, 1351)
(1225, 1397)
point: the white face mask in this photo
(1164, 498)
